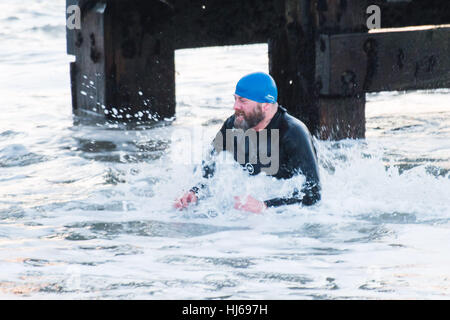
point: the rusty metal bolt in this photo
(348, 83)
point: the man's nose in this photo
(237, 105)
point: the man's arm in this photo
(209, 165)
(307, 197)
(301, 156)
(208, 170)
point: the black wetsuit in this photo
(297, 155)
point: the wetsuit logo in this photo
(250, 168)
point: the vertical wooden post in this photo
(291, 61)
(124, 68)
(343, 116)
(292, 55)
(140, 60)
(87, 72)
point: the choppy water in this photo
(85, 210)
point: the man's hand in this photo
(184, 201)
(251, 204)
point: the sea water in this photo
(86, 209)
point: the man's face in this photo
(248, 113)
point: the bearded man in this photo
(259, 127)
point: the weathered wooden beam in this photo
(404, 13)
(83, 5)
(140, 64)
(340, 16)
(350, 64)
(199, 23)
(293, 60)
(124, 66)
(87, 72)
(341, 117)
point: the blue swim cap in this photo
(257, 86)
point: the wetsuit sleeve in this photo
(209, 164)
(208, 170)
(301, 156)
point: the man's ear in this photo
(266, 106)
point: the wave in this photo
(53, 30)
(17, 155)
(357, 180)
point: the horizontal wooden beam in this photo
(340, 16)
(199, 23)
(403, 13)
(405, 59)
(196, 23)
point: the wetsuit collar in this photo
(275, 118)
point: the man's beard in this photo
(249, 121)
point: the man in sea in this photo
(259, 127)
